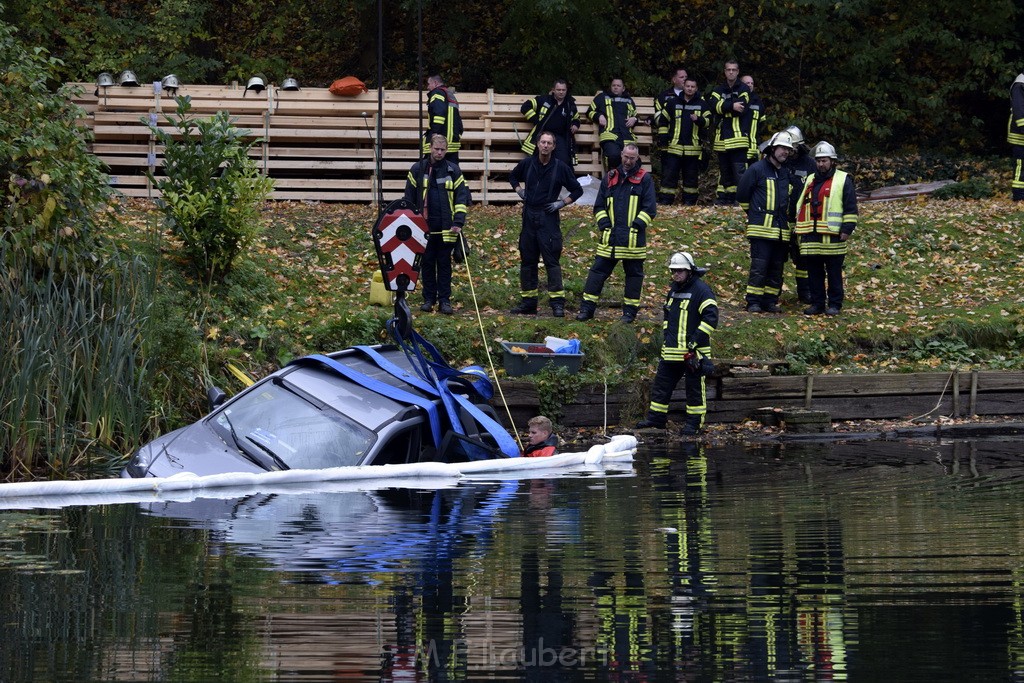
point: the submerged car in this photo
(359, 406)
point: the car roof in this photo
(347, 396)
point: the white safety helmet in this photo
(104, 80)
(782, 139)
(825, 149)
(795, 134)
(681, 260)
(170, 82)
(290, 84)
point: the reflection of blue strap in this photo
(381, 388)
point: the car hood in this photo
(196, 449)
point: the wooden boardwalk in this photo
(321, 147)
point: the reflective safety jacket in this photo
(624, 208)
(545, 448)
(826, 208)
(616, 110)
(1015, 128)
(691, 315)
(443, 118)
(764, 193)
(546, 114)
(443, 180)
(730, 132)
(751, 121)
(678, 133)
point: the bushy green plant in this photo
(211, 190)
(51, 185)
(972, 188)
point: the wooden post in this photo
(973, 406)
(808, 393)
(956, 393)
(484, 180)
(266, 129)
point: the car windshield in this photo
(274, 421)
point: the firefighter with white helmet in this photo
(691, 315)
(800, 165)
(764, 193)
(826, 215)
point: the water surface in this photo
(873, 561)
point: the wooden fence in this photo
(734, 399)
(318, 146)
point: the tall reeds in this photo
(73, 365)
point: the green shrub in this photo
(212, 190)
(972, 188)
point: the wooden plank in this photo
(837, 385)
(905, 191)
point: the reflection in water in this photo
(861, 561)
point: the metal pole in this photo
(419, 57)
(378, 151)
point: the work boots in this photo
(691, 427)
(526, 306)
(587, 309)
(558, 309)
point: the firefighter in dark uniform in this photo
(680, 122)
(614, 112)
(753, 117)
(1015, 136)
(691, 315)
(624, 208)
(443, 117)
(732, 141)
(436, 188)
(555, 113)
(800, 165)
(538, 180)
(826, 216)
(764, 193)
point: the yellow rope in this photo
(487, 348)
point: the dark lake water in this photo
(865, 561)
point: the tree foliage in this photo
(867, 74)
(51, 185)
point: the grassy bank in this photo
(930, 285)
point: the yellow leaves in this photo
(213, 333)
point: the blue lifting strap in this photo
(381, 388)
(437, 372)
(506, 444)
